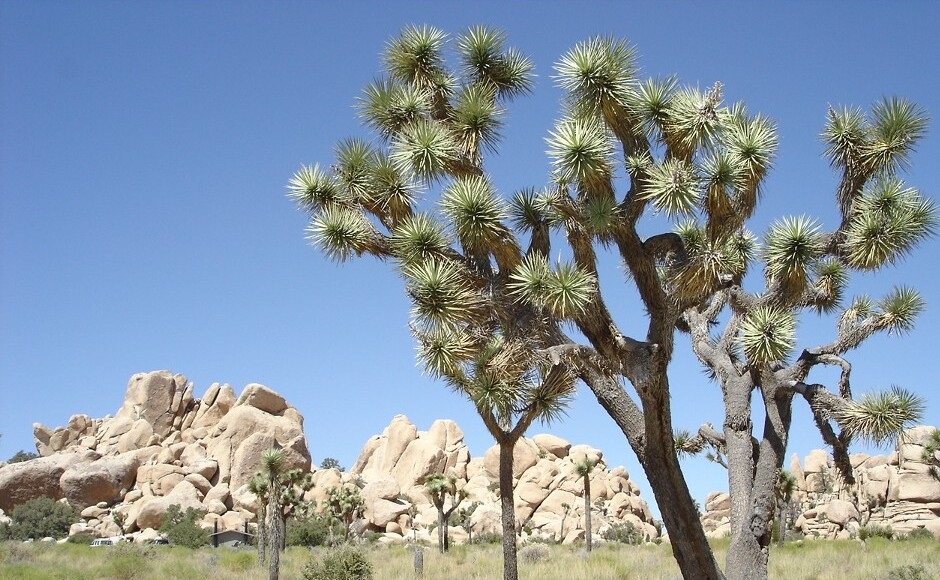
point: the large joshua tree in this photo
(497, 320)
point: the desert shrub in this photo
(343, 563)
(37, 519)
(909, 572)
(625, 533)
(237, 561)
(488, 538)
(875, 531)
(83, 538)
(181, 528)
(535, 553)
(311, 531)
(918, 534)
(126, 560)
(21, 456)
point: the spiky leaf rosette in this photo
(484, 59)
(419, 238)
(881, 417)
(476, 213)
(530, 209)
(424, 149)
(416, 56)
(342, 232)
(768, 334)
(580, 150)
(441, 294)
(889, 219)
(387, 106)
(831, 279)
(845, 135)
(722, 174)
(564, 292)
(753, 142)
(273, 462)
(392, 196)
(673, 187)
(710, 263)
(896, 126)
(900, 309)
(354, 162)
(476, 120)
(549, 392)
(598, 75)
(693, 120)
(442, 350)
(313, 189)
(652, 101)
(686, 445)
(791, 248)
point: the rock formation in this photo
(900, 490)
(165, 447)
(162, 447)
(393, 466)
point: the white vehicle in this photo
(108, 541)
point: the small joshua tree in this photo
(344, 503)
(584, 468)
(441, 487)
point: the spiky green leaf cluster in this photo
(900, 309)
(768, 334)
(477, 214)
(881, 417)
(598, 75)
(441, 294)
(673, 187)
(889, 219)
(580, 150)
(424, 149)
(486, 61)
(416, 56)
(442, 350)
(341, 232)
(419, 238)
(530, 209)
(312, 189)
(829, 285)
(564, 291)
(792, 247)
(710, 262)
(881, 143)
(692, 120)
(388, 106)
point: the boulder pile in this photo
(900, 491)
(549, 495)
(166, 447)
(162, 447)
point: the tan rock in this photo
(384, 511)
(400, 433)
(199, 482)
(816, 462)
(101, 480)
(918, 487)
(211, 411)
(552, 444)
(150, 396)
(841, 512)
(21, 482)
(263, 398)
(524, 455)
(419, 460)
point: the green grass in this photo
(795, 561)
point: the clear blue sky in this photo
(145, 146)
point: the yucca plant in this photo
(443, 491)
(510, 326)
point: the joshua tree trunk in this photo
(587, 513)
(261, 539)
(274, 543)
(441, 532)
(510, 570)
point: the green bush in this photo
(918, 534)
(488, 538)
(238, 561)
(625, 533)
(535, 553)
(21, 456)
(83, 538)
(312, 531)
(875, 531)
(37, 519)
(181, 529)
(909, 572)
(344, 563)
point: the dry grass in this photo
(795, 561)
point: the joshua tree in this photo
(344, 503)
(440, 487)
(462, 519)
(258, 485)
(331, 463)
(786, 486)
(485, 294)
(584, 468)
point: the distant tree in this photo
(442, 488)
(330, 463)
(39, 518)
(280, 492)
(258, 485)
(462, 518)
(584, 468)
(21, 455)
(487, 299)
(344, 503)
(786, 487)
(182, 529)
